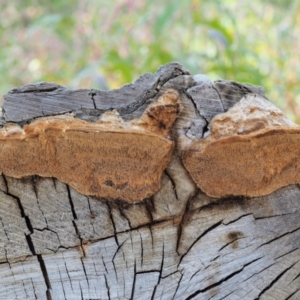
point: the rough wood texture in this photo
(178, 243)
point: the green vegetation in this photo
(104, 44)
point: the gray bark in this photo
(177, 244)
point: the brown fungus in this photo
(110, 158)
(252, 150)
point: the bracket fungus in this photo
(251, 150)
(109, 158)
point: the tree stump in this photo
(124, 194)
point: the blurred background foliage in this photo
(105, 44)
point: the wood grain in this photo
(179, 243)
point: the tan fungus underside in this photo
(252, 150)
(111, 158)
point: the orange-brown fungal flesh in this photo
(253, 150)
(111, 158)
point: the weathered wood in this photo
(178, 243)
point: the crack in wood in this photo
(71, 203)
(80, 238)
(142, 250)
(134, 280)
(280, 256)
(205, 232)
(292, 294)
(45, 275)
(23, 215)
(172, 182)
(112, 222)
(198, 113)
(160, 271)
(296, 277)
(273, 282)
(278, 237)
(184, 217)
(92, 94)
(34, 180)
(220, 281)
(63, 287)
(107, 286)
(260, 271)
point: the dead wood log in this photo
(138, 193)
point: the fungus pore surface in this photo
(109, 158)
(252, 150)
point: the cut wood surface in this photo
(102, 194)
